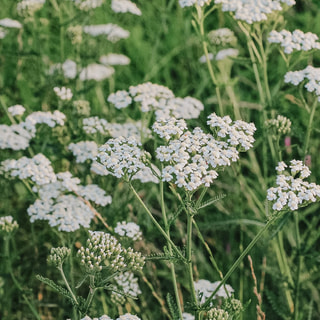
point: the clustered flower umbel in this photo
(189, 3)
(18, 136)
(252, 11)
(204, 289)
(29, 7)
(65, 94)
(292, 191)
(127, 316)
(86, 5)
(194, 157)
(158, 99)
(309, 73)
(222, 37)
(58, 256)
(125, 6)
(112, 31)
(60, 205)
(281, 125)
(8, 225)
(127, 283)
(296, 40)
(84, 150)
(104, 251)
(128, 229)
(123, 157)
(16, 110)
(221, 55)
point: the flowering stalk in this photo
(307, 139)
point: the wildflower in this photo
(281, 125)
(292, 191)
(8, 225)
(69, 69)
(128, 284)
(113, 32)
(128, 316)
(128, 229)
(86, 5)
(16, 110)
(226, 53)
(252, 11)
(189, 3)
(82, 107)
(65, 94)
(204, 289)
(222, 37)
(123, 157)
(217, 314)
(297, 40)
(29, 7)
(309, 73)
(103, 250)
(93, 125)
(203, 59)
(10, 23)
(58, 256)
(38, 169)
(97, 72)
(104, 317)
(113, 59)
(125, 6)
(15, 137)
(75, 34)
(84, 150)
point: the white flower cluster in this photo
(69, 69)
(97, 72)
(65, 94)
(297, 40)
(127, 316)
(123, 157)
(226, 53)
(103, 246)
(114, 59)
(75, 34)
(7, 224)
(84, 150)
(38, 169)
(309, 73)
(86, 5)
(189, 3)
(125, 6)
(187, 316)
(10, 23)
(252, 11)
(128, 229)
(157, 98)
(93, 125)
(204, 289)
(195, 156)
(222, 37)
(65, 210)
(16, 110)
(291, 191)
(58, 256)
(128, 284)
(18, 136)
(29, 7)
(113, 32)
(281, 124)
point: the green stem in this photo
(307, 139)
(300, 258)
(92, 291)
(172, 266)
(67, 284)
(243, 254)
(156, 223)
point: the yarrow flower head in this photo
(113, 32)
(123, 157)
(217, 314)
(65, 94)
(292, 191)
(97, 72)
(10, 23)
(58, 256)
(158, 99)
(226, 53)
(128, 316)
(194, 157)
(222, 37)
(189, 3)
(8, 225)
(104, 317)
(125, 6)
(84, 150)
(252, 11)
(104, 251)
(281, 125)
(114, 59)
(309, 73)
(204, 289)
(86, 5)
(29, 7)
(128, 229)
(16, 110)
(296, 40)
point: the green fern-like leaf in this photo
(174, 310)
(211, 201)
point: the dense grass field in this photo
(159, 159)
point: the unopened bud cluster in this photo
(280, 125)
(222, 37)
(75, 34)
(8, 225)
(217, 314)
(82, 107)
(58, 256)
(103, 250)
